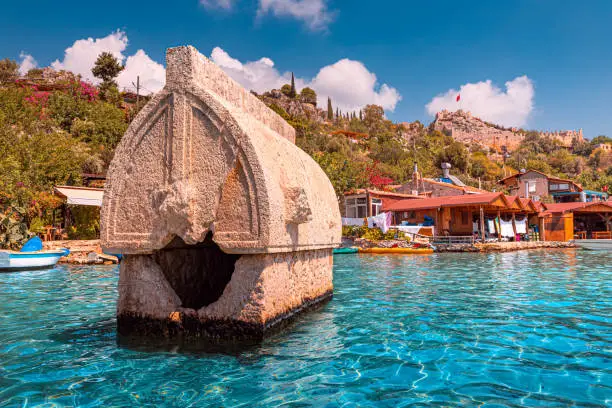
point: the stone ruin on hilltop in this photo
(226, 227)
(464, 127)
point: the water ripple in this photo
(514, 329)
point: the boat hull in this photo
(340, 251)
(595, 244)
(17, 261)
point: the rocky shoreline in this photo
(86, 252)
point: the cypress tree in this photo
(293, 92)
(330, 110)
(360, 115)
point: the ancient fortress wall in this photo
(466, 128)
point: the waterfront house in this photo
(362, 203)
(75, 197)
(535, 185)
(567, 221)
(467, 214)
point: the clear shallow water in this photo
(514, 329)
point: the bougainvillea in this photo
(376, 177)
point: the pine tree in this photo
(293, 92)
(330, 110)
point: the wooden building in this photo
(567, 221)
(463, 215)
(364, 203)
(535, 184)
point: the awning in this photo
(81, 195)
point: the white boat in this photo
(595, 244)
(18, 261)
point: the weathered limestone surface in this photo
(226, 225)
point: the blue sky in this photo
(556, 55)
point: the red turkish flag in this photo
(458, 97)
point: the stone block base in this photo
(175, 292)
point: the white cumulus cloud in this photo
(81, 56)
(27, 63)
(348, 83)
(351, 86)
(152, 74)
(485, 100)
(218, 4)
(314, 13)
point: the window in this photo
(376, 206)
(355, 207)
(531, 186)
(556, 187)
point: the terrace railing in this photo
(451, 240)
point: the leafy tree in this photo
(308, 95)
(582, 148)
(456, 154)
(600, 139)
(9, 71)
(107, 67)
(286, 90)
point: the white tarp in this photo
(81, 195)
(356, 222)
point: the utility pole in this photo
(137, 85)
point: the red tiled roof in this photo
(568, 207)
(449, 201)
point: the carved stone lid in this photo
(206, 155)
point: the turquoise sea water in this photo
(514, 329)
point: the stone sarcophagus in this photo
(226, 227)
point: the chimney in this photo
(415, 178)
(446, 170)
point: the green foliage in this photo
(13, 228)
(86, 223)
(9, 71)
(343, 174)
(454, 153)
(601, 139)
(308, 95)
(107, 67)
(330, 110)
(286, 90)
(292, 91)
(373, 234)
(51, 138)
(110, 93)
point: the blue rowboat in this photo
(19, 261)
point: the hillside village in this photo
(56, 129)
